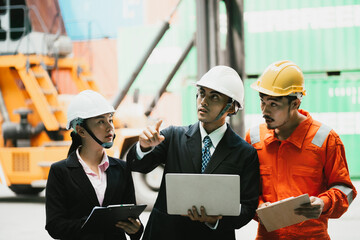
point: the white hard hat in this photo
(87, 104)
(226, 81)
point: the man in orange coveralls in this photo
(298, 155)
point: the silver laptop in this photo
(219, 194)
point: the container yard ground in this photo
(23, 218)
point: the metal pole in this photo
(3, 109)
(170, 76)
(235, 52)
(202, 38)
(166, 25)
(207, 35)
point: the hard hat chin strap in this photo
(104, 145)
(228, 105)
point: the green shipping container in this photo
(333, 100)
(134, 41)
(320, 36)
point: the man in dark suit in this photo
(180, 149)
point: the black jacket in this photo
(181, 153)
(70, 197)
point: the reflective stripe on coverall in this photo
(312, 160)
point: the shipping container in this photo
(89, 19)
(320, 36)
(134, 41)
(101, 56)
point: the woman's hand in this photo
(131, 227)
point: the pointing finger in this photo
(158, 124)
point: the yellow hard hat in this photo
(281, 78)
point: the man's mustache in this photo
(267, 117)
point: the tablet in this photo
(281, 213)
(103, 218)
(219, 194)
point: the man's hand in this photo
(202, 217)
(311, 210)
(265, 204)
(150, 137)
(130, 227)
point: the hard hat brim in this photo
(256, 87)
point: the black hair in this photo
(76, 142)
(289, 98)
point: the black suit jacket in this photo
(70, 197)
(181, 153)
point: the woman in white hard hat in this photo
(209, 146)
(88, 177)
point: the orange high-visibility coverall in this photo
(312, 160)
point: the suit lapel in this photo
(79, 176)
(112, 176)
(193, 145)
(222, 150)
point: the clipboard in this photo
(105, 218)
(281, 213)
(218, 193)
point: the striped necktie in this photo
(206, 155)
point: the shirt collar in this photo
(215, 135)
(297, 137)
(104, 164)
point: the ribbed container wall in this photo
(320, 36)
(94, 19)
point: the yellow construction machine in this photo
(32, 108)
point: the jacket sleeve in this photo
(151, 160)
(57, 223)
(337, 174)
(249, 195)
